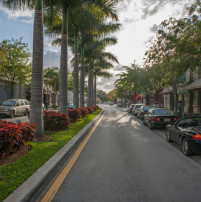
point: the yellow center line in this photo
(58, 182)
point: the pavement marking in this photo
(58, 182)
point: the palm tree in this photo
(95, 54)
(37, 67)
(99, 73)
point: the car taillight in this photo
(197, 137)
(156, 119)
(176, 119)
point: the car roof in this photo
(161, 108)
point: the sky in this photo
(137, 17)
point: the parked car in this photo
(187, 133)
(159, 118)
(136, 109)
(130, 108)
(70, 105)
(13, 107)
(143, 110)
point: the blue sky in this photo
(136, 16)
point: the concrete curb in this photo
(35, 184)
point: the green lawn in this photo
(14, 174)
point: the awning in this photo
(167, 90)
(195, 85)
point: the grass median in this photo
(14, 174)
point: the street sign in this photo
(182, 91)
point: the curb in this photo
(36, 184)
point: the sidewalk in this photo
(34, 186)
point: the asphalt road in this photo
(16, 119)
(126, 161)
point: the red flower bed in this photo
(55, 120)
(73, 114)
(90, 109)
(13, 136)
(84, 112)
(95, 107)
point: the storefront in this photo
(194, 90)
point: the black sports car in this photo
(159, 118)
(186, 132)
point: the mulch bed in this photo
(21, 152)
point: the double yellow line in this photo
(58, 182)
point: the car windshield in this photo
(138, 106)
(162, 112)
(9, 103)
(147, 108)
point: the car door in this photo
(17, 108)
(175, 131)
(148, 116)
(179, 126)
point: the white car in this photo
(14, 107)
(136, 108)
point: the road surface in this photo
(126, 161)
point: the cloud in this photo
(106, 84)
(151, 7)
(23, 15)
(119, 68)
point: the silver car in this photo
(14, 107)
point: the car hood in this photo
(195, 129)
(5, 107)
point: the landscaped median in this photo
(14, 174)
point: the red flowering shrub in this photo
(95, 107)
(79, 113)
(55, 120)
(73, 114)
(13, 136)
(84, 112)
(90, 110)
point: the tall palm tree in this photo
(37, 67)
(99, 73)
(107, 8)
(95, 53)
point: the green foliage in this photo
(51, 77)
(16, 64)
(14, 174)
(133, 80)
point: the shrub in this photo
(73, 114)
(55, 120)
(13, 136)
(95, 107)
(90, 110)
(84, 112)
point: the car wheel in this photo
(26, 112)
(12, 114)
(167, 135)
(186, 147)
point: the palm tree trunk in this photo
(82, 76)
(89, 100)
(63, 64)
(92, 97)
(94, 90)
(76, 77)
(36, 116)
